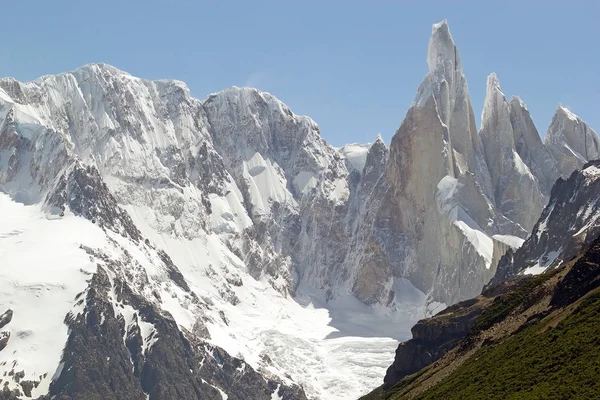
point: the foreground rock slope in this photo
(534, 338)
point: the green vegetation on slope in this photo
(503, 305)
(560, 363)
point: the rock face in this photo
(5, 319)
(442, 194)
(460, 192)
(242, 166)
(512, 180)
(166, 364)
(432, 338)
(569, 223)
(530, 148)
(571, 142)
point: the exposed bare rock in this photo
(530, 148)
(512, 180)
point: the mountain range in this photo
(159, 246)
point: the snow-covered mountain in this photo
(222, 248)
(199, 216)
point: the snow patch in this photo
(355, 155)
(574, 152)
(543, 263)
(482, 243)
(544, 224)
(447, 187)
(513, 241)
(568, 113)
(591, 172)
(266, 184)
(521, 167)
(305, 181)
(228, 213)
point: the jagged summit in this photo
(571, 141)
(517, 100)
(493, 82)
(379, 138)
(560, 109)
(530, 148)
(257, 101)
(441, 48)
(512, 178)
(494, 99)
(101, 67)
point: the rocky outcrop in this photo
(5, 318)
(571, 141)
(436, 336)
(82, 191)
(432, 338)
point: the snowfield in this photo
(336, 350)
(42, 269)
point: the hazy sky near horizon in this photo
(352, 66)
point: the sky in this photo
(352, 66)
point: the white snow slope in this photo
(337, 350)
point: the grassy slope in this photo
(555, 358)
(560, 363)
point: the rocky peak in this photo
(97, 69)
(442, 52)
(379, 140)
(530, 148)
(571, 141)
(512, 180)
(254, 132)
(495, 118)
(436, 153)
(375, 160)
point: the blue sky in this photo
(353, 66)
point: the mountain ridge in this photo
(234, 206)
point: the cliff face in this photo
(453, 191)
(512, 179)
(530, 148)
